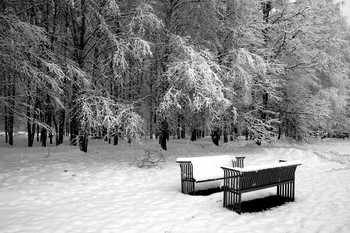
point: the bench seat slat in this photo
(260, 187)
(208, 180)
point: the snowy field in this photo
(60, 189)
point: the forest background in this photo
(129, 69)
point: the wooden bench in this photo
(204, 169)
(241, 180)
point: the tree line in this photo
(121, 68)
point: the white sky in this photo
(346, 8)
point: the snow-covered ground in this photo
(60, 189)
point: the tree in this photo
(29, 65)
(308, 36)
(130, 68)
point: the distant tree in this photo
(29, 65)
(308, 36)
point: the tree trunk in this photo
(77, 22)
(199, 134)
(50, 136)
(216, 136)
(183, 128)
(83, 142)
(10, 126)
(37, 133)
(115, 139)
(164, 134)
(279, 132)
(194, 135)
(225, 136)
(178, 130)
(74, 128)
(61, 121)
(10, 121)
(266, 8)
(151, 131)
(6, 126)
(43, 136)
(30, 129)
(56, 130)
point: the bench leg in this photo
(239, 203)
(187, 186)
(233, 201)
(187, 181)
(286, 190)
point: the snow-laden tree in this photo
(108, 43)
(308, 36)
(131, 68)
(194, 79)
(251, 74)
(76, 56)
(28, 66)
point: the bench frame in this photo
(187, 180)
(237, 182)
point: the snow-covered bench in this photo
(205, 170)
(247, 179)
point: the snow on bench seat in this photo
(265, 166)
(208, 168)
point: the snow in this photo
(209, 167)
(60, 189)
(266, 166)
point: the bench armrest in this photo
(236, 169)
(186, 169)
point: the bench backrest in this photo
(259, 176)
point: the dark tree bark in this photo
(37, 133)
(225, 136)
(61, 121)
(30, 129)
(43, 136)
(56, 130)
(10, 119)
(115, 139)
(216, 136)
(50, 137)
(183, 131)
(164, 134)
(74, 128)
(10, 122)
(194, 135)
(83, 142)
(279, 132)
(6, 125)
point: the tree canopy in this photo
(117, 68)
